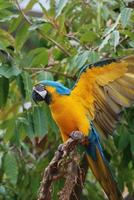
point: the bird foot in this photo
(77, 135)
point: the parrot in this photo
(93, 106)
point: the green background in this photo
(55, 46)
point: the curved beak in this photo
(39, 93)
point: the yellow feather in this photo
(129, 77)
(126, 92)
(125, 83)
(116, 96)
(108, 88)
(102, 173)
(107, 102)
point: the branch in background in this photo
(64, 158)
(23, 14)
(130, 4)
(48, 69)
(54, 42)
(40, 31)
(129, 197)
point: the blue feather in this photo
(58, 86)
(94, 141)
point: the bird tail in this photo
(100, 167)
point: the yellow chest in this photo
(70, 116)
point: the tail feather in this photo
(100, 168)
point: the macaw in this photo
(93, 107)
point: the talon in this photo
(76, 135)
(61, 147)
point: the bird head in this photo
(45, 90)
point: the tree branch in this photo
(23, 14)
(82, 172)
(64, 156)
(71, 179)
(48, 69)
(42, 33)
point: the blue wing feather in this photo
(94, 141)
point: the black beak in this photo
(37, 93)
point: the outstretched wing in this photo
(105, 89)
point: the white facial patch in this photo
(41, 93)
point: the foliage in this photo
(55, 46)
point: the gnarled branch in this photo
(65, 164)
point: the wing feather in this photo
(106, 90)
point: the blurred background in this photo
(52, 40)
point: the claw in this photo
(76, 135)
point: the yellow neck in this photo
(53, 93)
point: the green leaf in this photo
(30, 126)
(15, 23)
(5, 4)
(30, 4)
(125, 16)
(49, 119)
(9, 71)
(47, 28)
(4, 89)
(35, 184)
(44, 76)
(44, 10)
(62, 28)
(104, 42)
(94, 192)
(40, 123)
(35, 26)
(2, 190)
(38, 56)
(27, 85)
(11, 167)
(21, 86)
(60, 4)
(9, 18)
(80, 59)
(115, 37)
(21, 122)
(93, 57)
(21, 36)
(10, 129)
(88, 37)
(111, 29)
(131, 43)
(132, 143)
(7, 36)
(124, 138)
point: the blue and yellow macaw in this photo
(92, 107)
